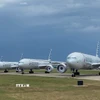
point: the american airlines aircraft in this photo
(8, 65)
(77, 60)
(31, 64)
(35, 64)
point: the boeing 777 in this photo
(77, 60)
(35, 64)
(39, 64)
(27, 63)
(8, 65)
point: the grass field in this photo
(43, 88)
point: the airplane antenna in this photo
(49, 57)
(97, 50)
(1, 58)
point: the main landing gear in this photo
(22, 71)
(17, 69)
(5, 71)
(75, 72)
(31, 71)
(47, 72)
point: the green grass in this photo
(44, 88)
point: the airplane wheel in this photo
(17, 71)
(47, 72)
(73, 75)
(22, 72)
(78, 73)
(31, 72)
(5, 71)
(99, 73)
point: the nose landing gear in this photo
(75, 72)
(22, 71)
(5, 71)
(31, 71)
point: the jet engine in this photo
(62, 68)
(49, 68)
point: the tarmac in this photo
(56, 75)
(97, 78)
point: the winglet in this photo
(49, 57)
(97, 49)
(21, 56)
(1, 58)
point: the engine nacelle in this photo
(49, 68)
(62, 68)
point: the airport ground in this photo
(53, 86)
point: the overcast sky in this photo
(33, 27)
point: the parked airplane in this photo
(8, 65)
(35, 64)
(31, 64)
(5, 65)
(77, 60)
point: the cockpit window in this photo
(21, 62)
(71, 58)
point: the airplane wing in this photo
(51, 63)
(96, 65)
(56, 63)
(93, 65)
(14, 66)
(48, 67)
(44, 65)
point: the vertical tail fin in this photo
(97, 49)
(21, 56)
(49, 57)
(1, 58)
(17, 68)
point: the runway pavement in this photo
(59, 75)
(89, 77)
(56, 75)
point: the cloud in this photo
(92, 29)
(40, 22)
(9, 1)
(38, 7)
(23, 3)
(2, 5)
(38, 10)
(75, 15)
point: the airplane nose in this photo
(20, 64)
(71, 63)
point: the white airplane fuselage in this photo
(33, 63)
(8, 65)
(79, 60)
